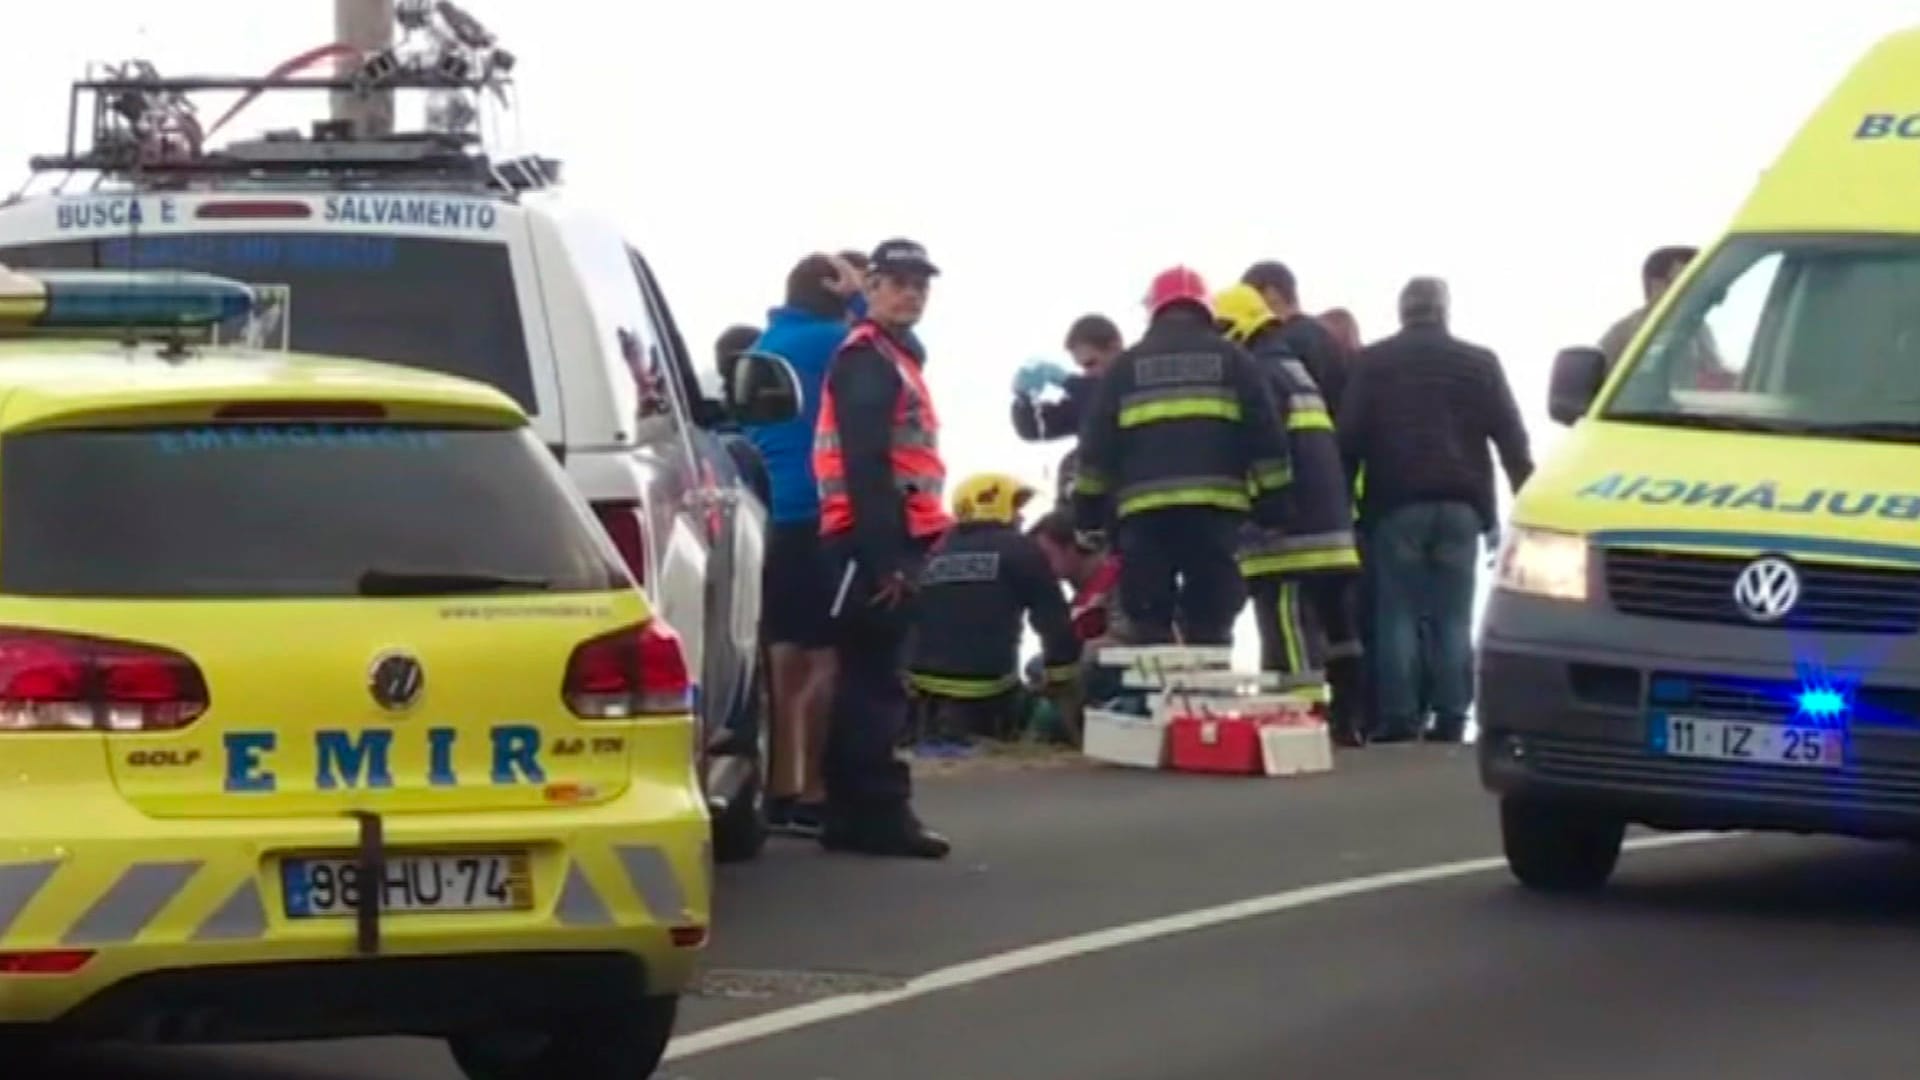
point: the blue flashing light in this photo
(103, 300)
(1821, 702)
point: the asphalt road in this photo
(1750, 957)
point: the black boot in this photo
(895, 833)
(1346, 716)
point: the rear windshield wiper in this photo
(1711, 421)
(379, 582)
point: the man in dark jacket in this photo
(877, 461)
(1305, 336)
(1180, 445)
(1093, 341)
(964, 654)
(1421, 410)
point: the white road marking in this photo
(780, 1021)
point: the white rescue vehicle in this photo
(421, 249)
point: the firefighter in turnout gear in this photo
(1180, 445)
(1301, 577)
(964, 654)
(876, 459)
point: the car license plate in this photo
(473, 881)
(1743, 741)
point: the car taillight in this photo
(638, 671)
(67, 682)
(629, 532)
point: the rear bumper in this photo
(433, 997)
(198, 902)
(1563, 704)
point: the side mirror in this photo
(1578, 374)
(763, 390)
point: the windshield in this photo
(1804, 334)
(444, 305)
(291, 510)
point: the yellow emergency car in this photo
(325, 708)
(1707, 608)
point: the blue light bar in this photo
(111, 299)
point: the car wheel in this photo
(740, 831)
(1557, 848)
(23, 1047)
(616, 1047)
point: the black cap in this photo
(902, 257)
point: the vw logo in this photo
(395, 680)
(1767, 589)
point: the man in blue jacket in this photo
(796, 597)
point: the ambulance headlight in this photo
(1542, 563)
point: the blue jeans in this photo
(1426, 556)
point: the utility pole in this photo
(367, 26)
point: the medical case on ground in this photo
(1186, 709)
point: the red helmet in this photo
(1178, 285)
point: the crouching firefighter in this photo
(1181, 443)
(963, 656)
(1302, 577)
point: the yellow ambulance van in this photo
(1707, 608)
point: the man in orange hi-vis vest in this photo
(877, 459)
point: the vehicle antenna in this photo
(130, 338)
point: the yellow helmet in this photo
(990, 497)
(1241, 311)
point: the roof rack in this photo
(144, 128)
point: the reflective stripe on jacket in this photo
(1183, 418)
(973, 589)
(1319, 536)
(918, 473)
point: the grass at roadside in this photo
(999, 757)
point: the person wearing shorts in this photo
(795, 622)
(798, 632)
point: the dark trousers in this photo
(1425, 556)
(1337, 599)
(864, 776)
(1292, 641)
(1310, 624)
(999, 717)
(1181, 560)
